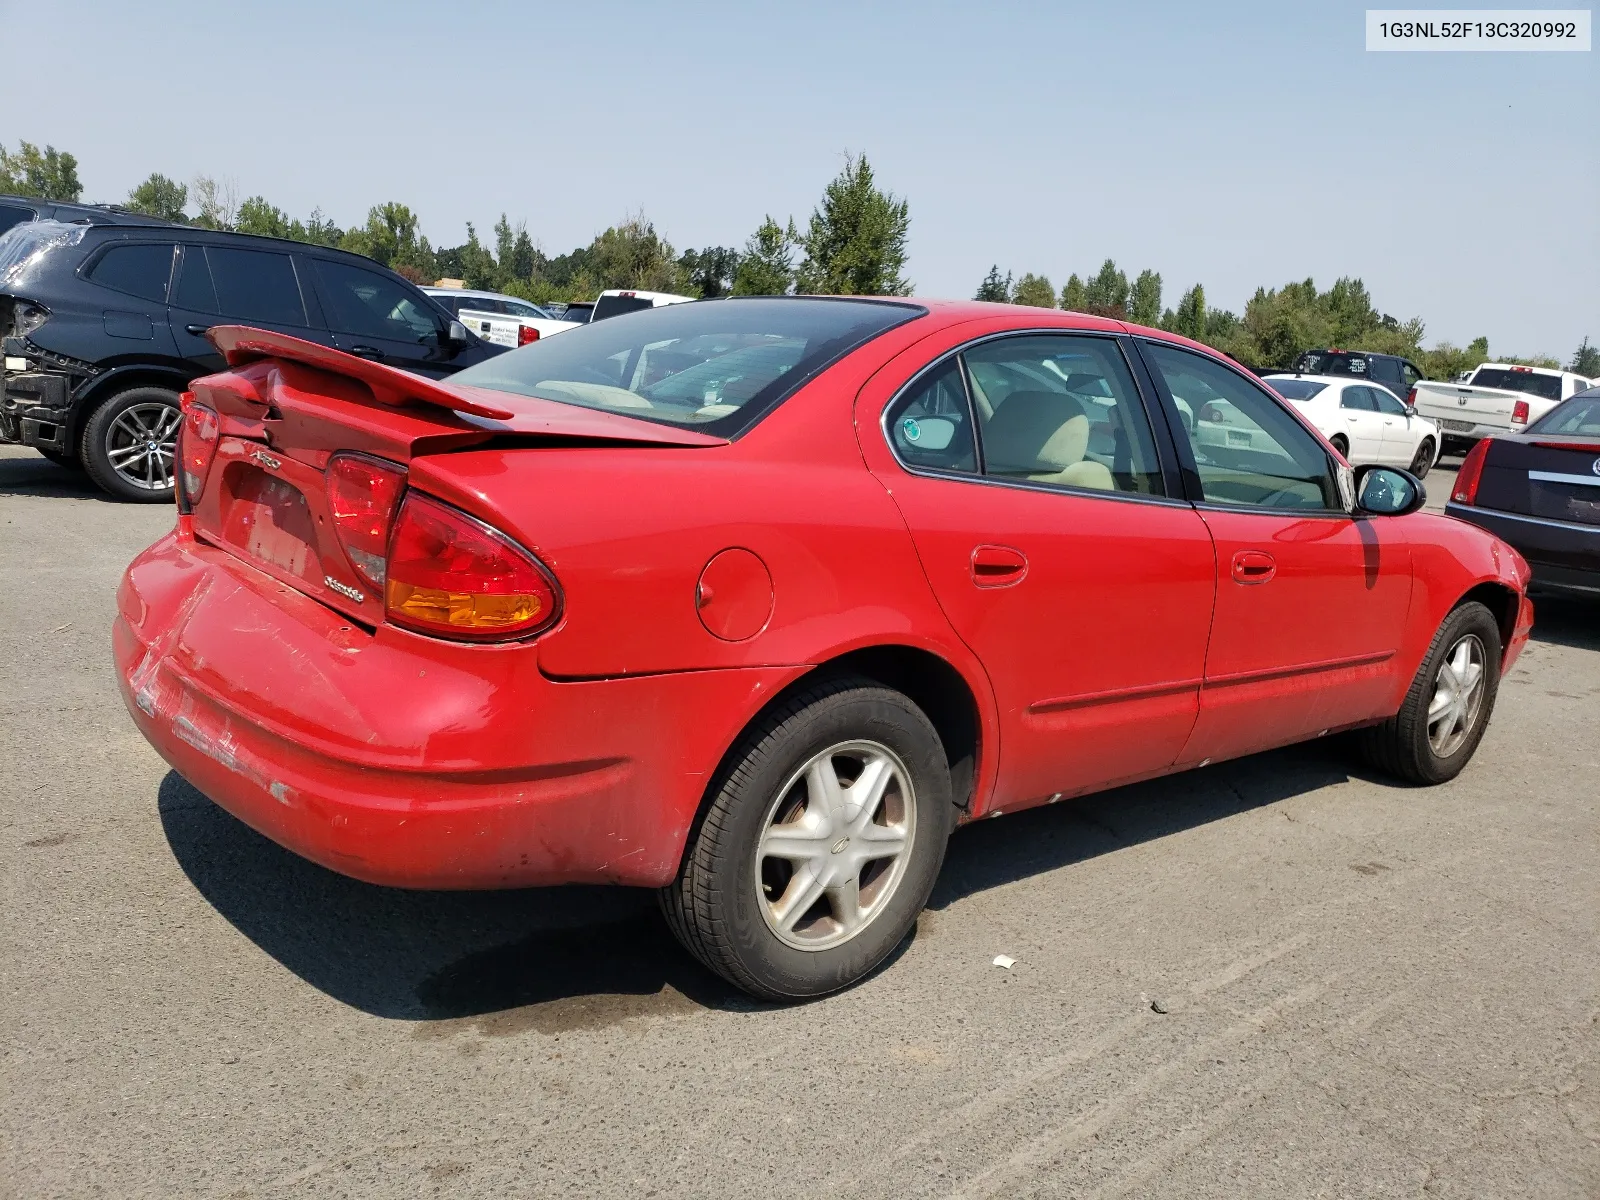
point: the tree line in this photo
(853, 244)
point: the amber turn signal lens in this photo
(453, 575)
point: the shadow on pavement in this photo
(555, 959)
(1566, 621)
(34, 475)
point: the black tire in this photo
(719, 905)
(67, 462)
(1423, 462)
(1342, 444)
(1401, 746)
(95, 448)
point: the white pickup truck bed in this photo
(1499, 398)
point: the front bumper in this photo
(1563, 555)
(403, 760)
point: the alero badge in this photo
(266, 460)
(344, 589)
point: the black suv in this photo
(102, 326)
(14, 210)
(1397, 374)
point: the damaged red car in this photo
(752, 601)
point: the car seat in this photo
(1043, 436)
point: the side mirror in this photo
(1388, 492)
(456, 334)
(1411, 410)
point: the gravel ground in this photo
(1369, 990)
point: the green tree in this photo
(1106, 295)
(1073, 297)
(856, 242)
(1144, 299)
(391, 237)
(994, 289)
(766, 268)
(711, 271)
(1035, 291)
(633, 255)
(1586, 361)
(257, 216)
(160, 197)
(1190, 319)
(49, 174)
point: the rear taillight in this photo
(451, 574)
(1519, 413)
(197, 445)
(1411, 396)
(1466, 490)
(526, 334)
(363, 494)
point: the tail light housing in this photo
(526, 334)
(1411, 396)
(1471, 472)
(363, 494)
(198, 436)
(1519, 413)
(453, 576)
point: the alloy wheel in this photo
(141, 445)
(1457, 696)
(835, 844)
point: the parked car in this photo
(103, 327)
(1397, 374)
(15, 210)
(504, 320)
(581, 311)
(1499, 398)
(1540, 491)
(1362, 421)
(615, 301)
(750, 601)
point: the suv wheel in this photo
(821, 846)
(129, 444)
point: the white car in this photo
(1365, 421)
(613, 302)
(503, 320)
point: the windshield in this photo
(1295, 389)
(1330, 362)
(1528, 382)
(1579, 415)
(719, 365)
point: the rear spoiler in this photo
(241, 344)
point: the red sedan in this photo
(752, 601)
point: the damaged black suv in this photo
(103, 324)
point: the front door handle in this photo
(998, 566)
(371, 352)
(197, 330)
(1253, 566)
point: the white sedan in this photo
(1364, 420)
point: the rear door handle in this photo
(367, 352)
(998, 566)
(1253, 566)
(197, 330)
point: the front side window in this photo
(140, 270)
(1580, 415)
(1409, 376)
(367, 304)
(1248, 449)
(1387, 402)
(930, 424)
(1062, 409)
(715, 364)
(250, 285)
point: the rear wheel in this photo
(129, 444)
(1423, 462)
(1341, 444)
(821, 846)
(1438, 728)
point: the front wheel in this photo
(821, 846)
(1423, 462)
(129, 444)
(1438, 728)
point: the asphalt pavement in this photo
(1368, 989)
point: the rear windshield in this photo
(1331, 362)
(1581, 414)
(612, 306)
(718, 365)
(1507, 380)
(1294, 389)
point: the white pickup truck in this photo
(503, 320)
(1498, 398)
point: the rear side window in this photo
(1510, 380)
(245, 285)
(1358, 398)
(1384, 370)
(931, 424)
(140, 270)
(1580, 415)
(367, 304)
(1295, 389)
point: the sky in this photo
(1235, 145)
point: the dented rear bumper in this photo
(407, 761)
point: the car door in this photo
(232, 285)
(1310, 600)
(1360, 424)
(1058, 551)
(377, 316)
(1400, 434)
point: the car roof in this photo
(65, 210)
(1331, 380)
(475, 293)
